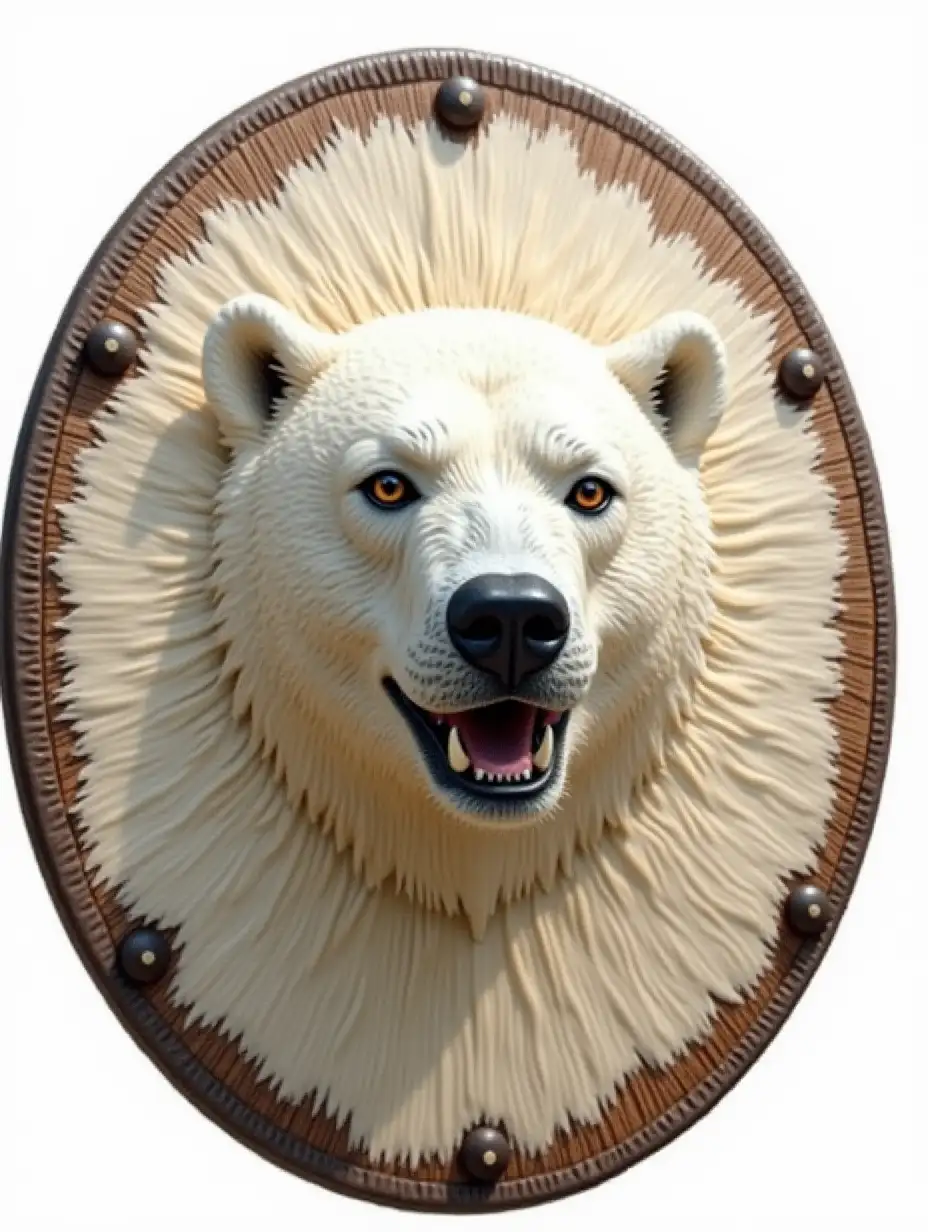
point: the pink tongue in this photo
(497, 739)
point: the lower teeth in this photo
(519, 777)
(459, 761)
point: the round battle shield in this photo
(448, 642)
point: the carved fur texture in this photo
(248, 781)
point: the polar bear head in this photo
(455, 543)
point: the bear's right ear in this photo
(253, 351)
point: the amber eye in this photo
(389, 490)
(590, 495)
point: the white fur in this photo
(248, 780)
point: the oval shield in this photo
(448, 643)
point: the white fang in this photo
(457, 758)
(542, 759)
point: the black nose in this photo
(508, 626)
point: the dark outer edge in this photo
(21, 579)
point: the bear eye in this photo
(389, 490)
(590, 495)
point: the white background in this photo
(813, 113)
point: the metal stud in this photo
(801, 374)
(460, 102)
(809, 910)
(144, 955)
(485, 1154)
(110, 348)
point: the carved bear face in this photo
(451, 543)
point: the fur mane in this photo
(357, 951)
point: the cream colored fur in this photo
(416, 968)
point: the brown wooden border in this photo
(28, 663)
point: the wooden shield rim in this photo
(22, 579)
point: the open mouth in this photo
(506, 750)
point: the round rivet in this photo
(110, 348)
(460, 102)
(808, 910)
(485, 1154)
(144, 955)
(801, 374)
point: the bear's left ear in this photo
(253, 351)
(678, 369)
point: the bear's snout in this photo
(508, 626)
